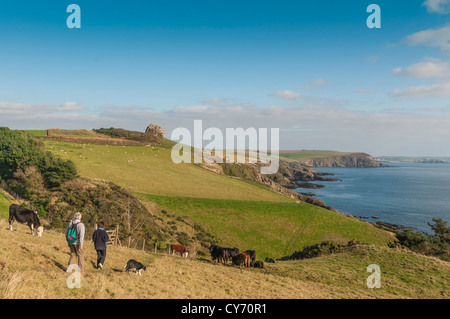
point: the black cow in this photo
(217, 253)
(269, 260)
(252, 254)
(25, 216)
(257, 264)
(230, 253)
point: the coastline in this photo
(371, 218)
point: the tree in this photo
(19, 150)
(440, 229)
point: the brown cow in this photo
(242, 259)
(179, 249)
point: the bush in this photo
(56, 223)
(411, 239)
(41, 212)
(326, 247)
(183, 238)
(437, 244)
(19, 150)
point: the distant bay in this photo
(407, 194)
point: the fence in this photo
(13, 194)
(114, 237)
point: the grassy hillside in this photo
(272, 229)
(308, 154)
(4, 206)
(238, 213)
(35, 268)
(150, 170)
(37, 132)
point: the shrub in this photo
(183, 238)
(437, 244)
(326, 247)
(19, 150)
(410, 238)
(41, 212)
(56, 223)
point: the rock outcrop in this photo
(156, 130)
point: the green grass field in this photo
(150, 170)
(272, 229)
(305, 154)
(238, 213)
(37, 132)
(4, 206)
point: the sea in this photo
(407, 194)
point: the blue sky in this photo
(312, 68)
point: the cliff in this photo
(348, 160)
(289, 176)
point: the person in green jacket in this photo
(75, 238)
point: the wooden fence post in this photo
(117, 235)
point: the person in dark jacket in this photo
(100, 238)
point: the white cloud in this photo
(196, 109)
(70, 106)
(287, 94)
(316, 84)
(433, 38)
(438, 90)
(12, 107)
(218, 101)
(437, 6)
(427, 68)
(309, 124)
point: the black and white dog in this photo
(133, 264)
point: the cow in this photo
(252, 254)
(180, 249)
(230, 253)
(243, 259)
(257, 264)
(217, 253)
(269, 260)
(25, 216)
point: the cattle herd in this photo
(218, 254)
(244, 259)
(224, 255)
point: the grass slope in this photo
(150, 170)
(272, 229)
(4, 206)
(35, 268)
(238, 213)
